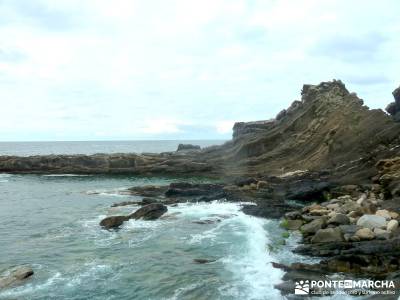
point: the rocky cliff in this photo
(328, 130)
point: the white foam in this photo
(251, 263)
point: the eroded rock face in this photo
(329, 129)
(394, 107)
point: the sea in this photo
(51, 223)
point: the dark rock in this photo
(183, 189)
(182, 147)
(313, 226)
(124, 203)
(245, 181)
(113, 222)
(147, 200)
(207, 221)
(15, 276)
(148, 190)
(149, 212)
(203, 260)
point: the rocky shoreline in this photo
(328, 153)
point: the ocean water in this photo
(92, 147)
(51, 222)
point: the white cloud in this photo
(134, 69)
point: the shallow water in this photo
(51, 223)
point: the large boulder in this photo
(339, 219)
(371, 221)
(14, 276)
(149, 212)
(328, 235)
(313, 226)
(365, 234)
(113, 221)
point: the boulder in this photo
(382, 234)
(113, 221)
(383, 213)
(14, 276)
(294, 224)
(365, 234)
(313, 226)
(348, 207)
(339, 219)
(149, 212)
(371, 221)
(392, 225)
(328, 235)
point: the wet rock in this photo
(113, 222)
(328, 235)
(293, 215)
(392, 225)
(183, 189)
(371, 221)
(148, 190)
(339, 219)
(203, 260)
(149, 212)
(207, 221)
(365, 234)
(183, 147)
(15, 276)
(124, 203)
(147, 200)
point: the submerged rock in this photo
(147, 212)
(15, 276)
(203, 260)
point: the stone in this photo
(354, 214)
(292, 215)
(339, 219)
(393, 215)
(383, 213)
(124, 203)
(294, 224)
(362, 199)
(113, 222)
(348, 207)
(313, 226)
(349, 229)
(15, 275)
(149, 212)
(371, 221)
(333, 206)
(203, 260)
(365, 234)
(319, 212)
(382, 234)
(328, 235)
(392, 225)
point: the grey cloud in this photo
(350, 48)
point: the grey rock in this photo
(371, 221)
(328, 235)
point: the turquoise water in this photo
(51, 223)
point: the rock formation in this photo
(394, 107)
(329, 130)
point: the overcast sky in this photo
(155, 69)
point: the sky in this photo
(182, 69)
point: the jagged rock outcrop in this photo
(394, 107)
(329, 130)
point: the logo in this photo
(302, 287)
